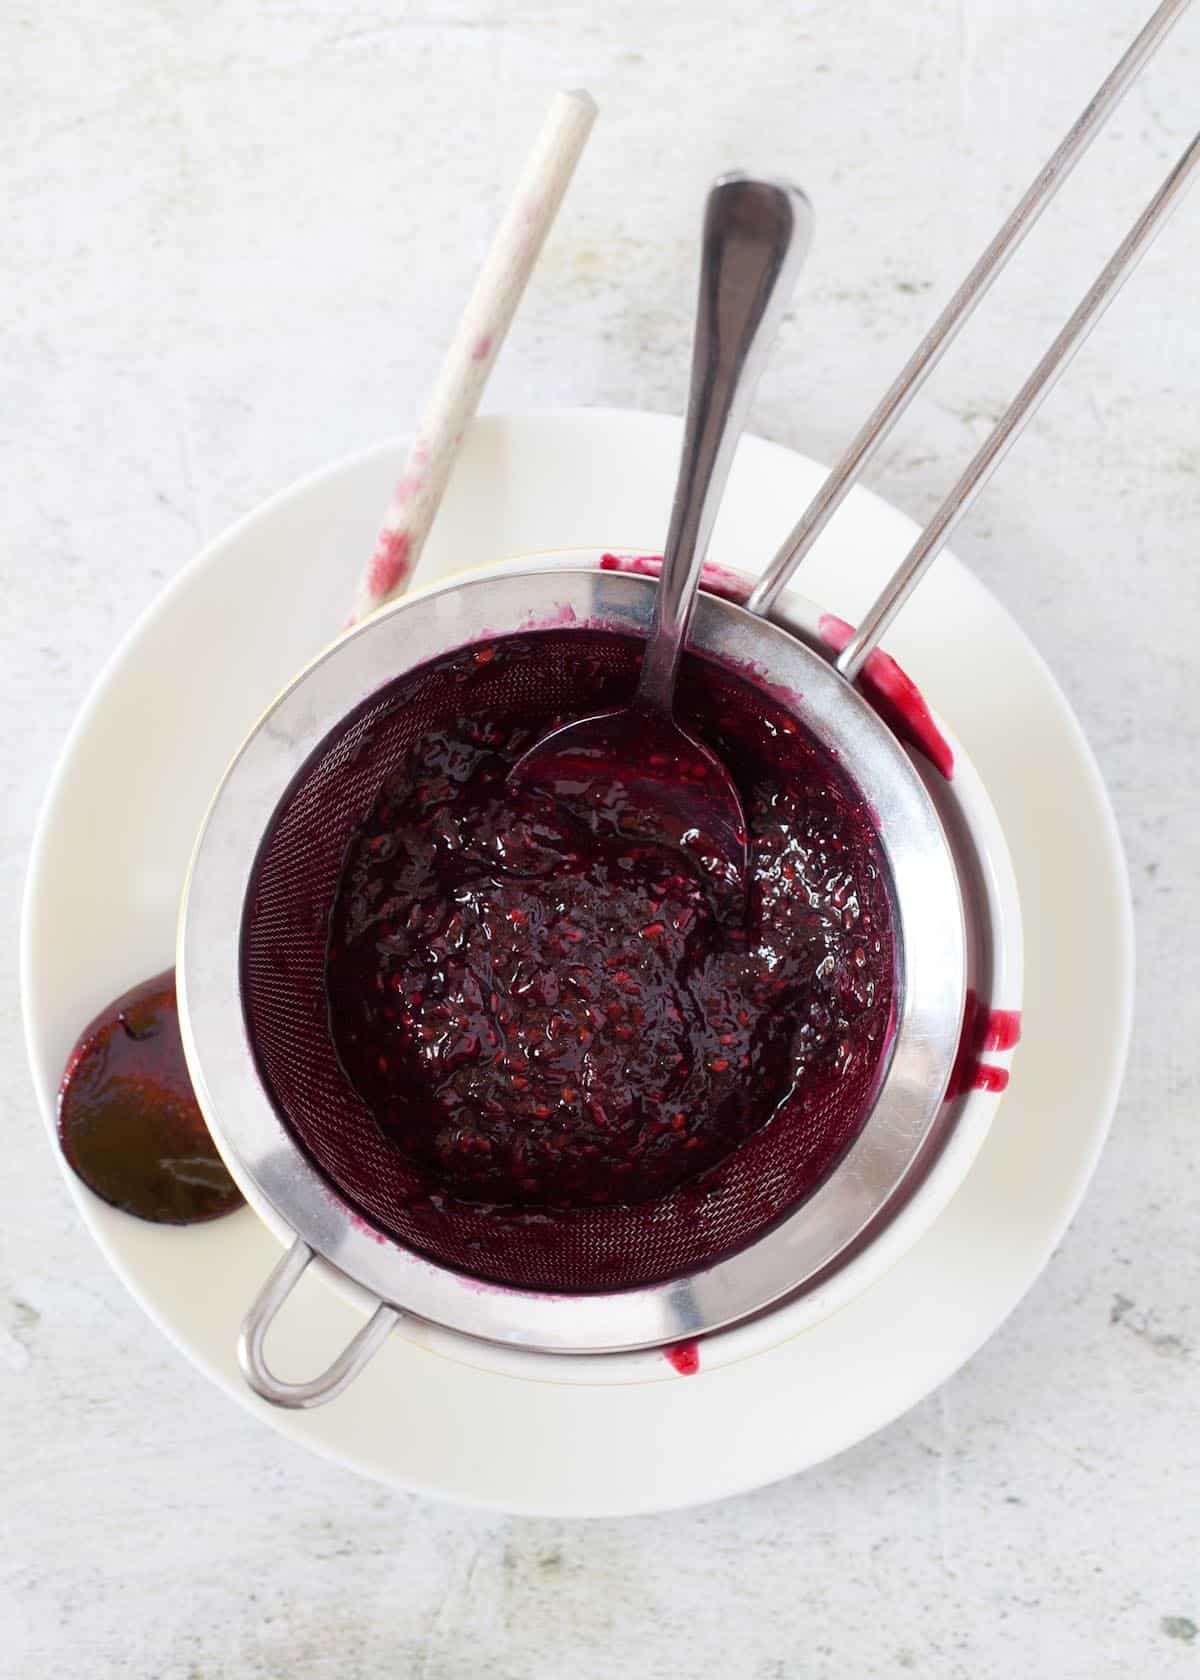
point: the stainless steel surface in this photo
(756, 234)
(300, 1396)
(958, 311)
(279, 1179)
(1018, 414)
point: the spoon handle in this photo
(476, 343)
(756, 234)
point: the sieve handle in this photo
(337, 1376)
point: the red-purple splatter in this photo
(714, 580)
(408, 486)
(1003, 1029)
(482, 348)
(560, 618)
(983, 1029)
(684, 1357)
(389, 563)
(895, 697)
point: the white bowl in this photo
(994, 975)
(99, 916)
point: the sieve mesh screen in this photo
(541, 677)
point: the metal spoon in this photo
(637, 762)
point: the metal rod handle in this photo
(337, 1376)
(962, 305)
(1018, 414)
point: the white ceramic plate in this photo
(136, 775)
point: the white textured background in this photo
(234, 237)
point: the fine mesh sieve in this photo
(252, 942)
(283, 984)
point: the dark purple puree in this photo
(128, 1119)
(543, 1009)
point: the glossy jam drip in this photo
(714, 580)
(545, 1006)
(895, 697)
(128, 1119)
(983, 1030)
(683, 1357)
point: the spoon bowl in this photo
(637, 764)
(649, 777)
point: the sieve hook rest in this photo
(336, 1376)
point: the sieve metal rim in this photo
(277, 1174)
